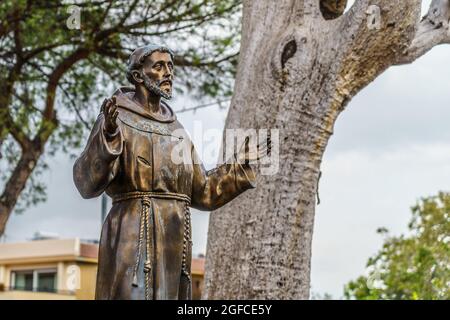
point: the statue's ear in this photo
(137, 77)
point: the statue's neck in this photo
(147, 100)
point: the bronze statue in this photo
(145, 245)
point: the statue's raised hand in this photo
(109, 109)
(247, 154)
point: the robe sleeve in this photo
(98, 165)
(214, 188)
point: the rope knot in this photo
(146, 201)
(147, 266)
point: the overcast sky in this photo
(391, 146)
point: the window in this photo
(34, 280)
(46, 281)
(23, 280)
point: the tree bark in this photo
(16, 182)
(298, 69)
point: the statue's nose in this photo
(168, 72)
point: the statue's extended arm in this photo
(98, 164)
(214, 188)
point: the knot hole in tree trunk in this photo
(288, 52)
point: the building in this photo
(198, 273)
(59, 269)
(52, 269)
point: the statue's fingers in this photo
(112, 110)
(108, 106)
(115, 115)
(103, 105)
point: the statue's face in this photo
(158, 74)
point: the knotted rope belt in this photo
(147, 221)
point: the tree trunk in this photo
(16, 183)
(297, 71)
(32, 149)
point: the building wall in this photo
(75, 280)
(75, 264)
(36, 250)
(197, 286)
(28, 295)
(2, 277)
(87, 281)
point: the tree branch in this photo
(32, 150)
(18, 135)
(180, 18)
(17, 14)
(371, 36)
(6, 89)
(32, 53)
(128, 13)
(49, 119)
(433, 30)
(16, 183)
(18, 40)
(74, 107)
(179, 60)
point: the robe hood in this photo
(124, 99)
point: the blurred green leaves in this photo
(414, 266)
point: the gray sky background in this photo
(390, 148)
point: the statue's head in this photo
(151, 66)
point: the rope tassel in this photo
(146, 224)
(143, 218)
(187, 238)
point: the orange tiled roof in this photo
(88, 250)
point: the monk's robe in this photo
(145, 246)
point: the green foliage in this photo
(35, 41)
(416, 266)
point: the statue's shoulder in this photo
(126, 103)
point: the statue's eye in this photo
(157, 66)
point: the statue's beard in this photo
(154, 87)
